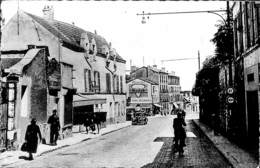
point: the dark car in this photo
(139, 118)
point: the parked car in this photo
(139, 118)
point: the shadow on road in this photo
(164, 157)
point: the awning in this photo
(157, 105)
(80, 100)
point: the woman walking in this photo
(31, 138)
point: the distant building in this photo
(174, 89)
(160, 76)
(190, 102)
(143, 92)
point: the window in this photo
(249, 25)
(257, 20)
(121, 84)
(250, 77)
(235, 38)
(97, 81)
(240, 33)
(108, 83)
(117, 84)
(87, 80)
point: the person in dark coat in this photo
(31, 137)
(87, 123)
(97, 122)
(55, 127)
(179, 133)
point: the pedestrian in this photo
(179, 133)
(55, 127)
(97, 122)
(92, 124)
(87, 123)
(31, 138)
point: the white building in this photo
(145, 93)
(98, 70)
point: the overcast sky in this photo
(162, 37)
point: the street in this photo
(136, 146)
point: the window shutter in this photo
(121, 84)
(117, 84)
(89, 80)
(98, 81)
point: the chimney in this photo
(163, 69)
(133, 68)
(48, 12)
(154, 66)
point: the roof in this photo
(69, 33)
(145, 80)
(18, 67)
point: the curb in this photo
(115, 130)
(83, 140)
(64, 146)
(220, 151)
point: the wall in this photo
(28, 34)
(34, 77)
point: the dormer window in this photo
(107, 63)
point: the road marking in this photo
(191, 134)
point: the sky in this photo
(162, 37)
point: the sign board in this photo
(230, 90)
(230, 100)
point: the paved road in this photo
(136, 146)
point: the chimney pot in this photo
(48, 12)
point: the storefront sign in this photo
(141, 100)
(138, 90)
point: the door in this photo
(3, 119)
(253, 118)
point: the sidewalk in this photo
(10, 157)
(238, 157)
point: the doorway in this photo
(253, 118)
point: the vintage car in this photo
(139, 118)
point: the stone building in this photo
(160, 76)
(246, 18)
(174, 90)
(27, 93)
(143, 92)
(190, 103)
(92, 73)
(164, 93)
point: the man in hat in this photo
(55, 127)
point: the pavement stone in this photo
(10, 157)
(198, 153)
(238, 157)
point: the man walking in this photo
(179, 133)
(55, 127)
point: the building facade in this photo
(246, 17)
(174, 90)
(169, 89)
(164, 93)
(92, 73)
(190, 103)
(143, 92)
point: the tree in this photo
(223, 40)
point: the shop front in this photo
(83, 107)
